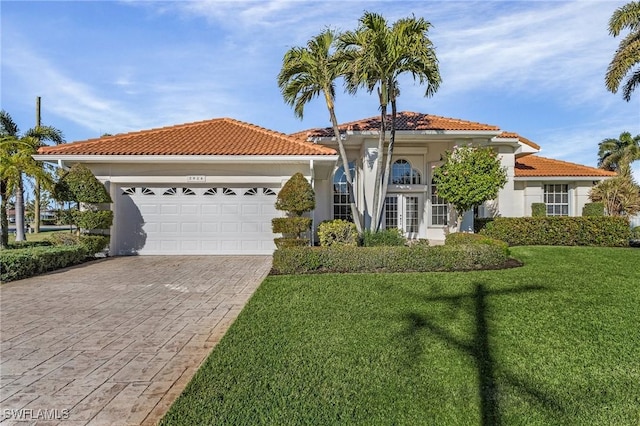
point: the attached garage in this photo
(200, 188)
(194, 220)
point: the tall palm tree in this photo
(376, 55)
(16, 152)
(618, 154)
(628, 54)
(308, 72)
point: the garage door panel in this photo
(210, 227)
(196, 220)
(208, 209)
(189, 209)
(168, 209)
(189, 227)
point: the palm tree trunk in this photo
(387, 167)
(4, 220)
(377, 201)
(20, 210)
(36, 206)
(355, 213)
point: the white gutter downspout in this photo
(313, 186)
(61, 165)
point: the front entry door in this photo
(403, 211)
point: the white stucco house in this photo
(209, 187)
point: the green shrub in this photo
(64, 239)
(458, 238)
(384, 237)
(480, 222)
(23, 263)
(560, 231)
(90, 219)
(635, 233)
(338, 232)
(290, 226)
(538, 210)
(94, 243)
(296, 196)
(593, 209)
(28, 244)
(305, 260)
(79, 184)
(291, 242)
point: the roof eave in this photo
(564, 178)
(187, 159)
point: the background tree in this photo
(469, 177)
(375, 55)
(16, 152)
(626, 60)
(618, 154)
(311, 71)
(620, 196)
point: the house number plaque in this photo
(196, 179)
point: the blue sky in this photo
(531, 67)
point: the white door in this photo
(404, 211)
(194, 220)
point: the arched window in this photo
(403, 174)
(341, 207)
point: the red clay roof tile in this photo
(220, 136)
(404, 121)
(520, 138)
(535, 166)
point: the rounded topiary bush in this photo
(296, 196)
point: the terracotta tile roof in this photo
(404, 121)
(535, 166)
(520, 138)
(220, 136)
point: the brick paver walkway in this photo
(114, 342)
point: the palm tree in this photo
(16, 152)
(311, 71)
(628, 54)
(376, 55)
(618, 154)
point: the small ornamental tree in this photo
(79, 185)
(296, 198)
(469, 177)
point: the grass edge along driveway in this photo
(554, 342)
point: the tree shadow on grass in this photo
(478, 348)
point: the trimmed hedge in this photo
(458, 238)
(383, 237)
(290, 242)
(593, 209)
(27, 244)
(419, 258)
(607, 231)
(23, 263)
(538, 209)
(337, 232)
(94, 243)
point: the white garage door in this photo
(195, 220)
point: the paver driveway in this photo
(115, 341)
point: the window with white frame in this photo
(341, 206)
(439, 208)
(556, 198)
(403, 174)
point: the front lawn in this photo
(554, 342)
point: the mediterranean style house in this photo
(209, 187)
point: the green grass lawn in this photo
(40, 236)
(556, 342)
